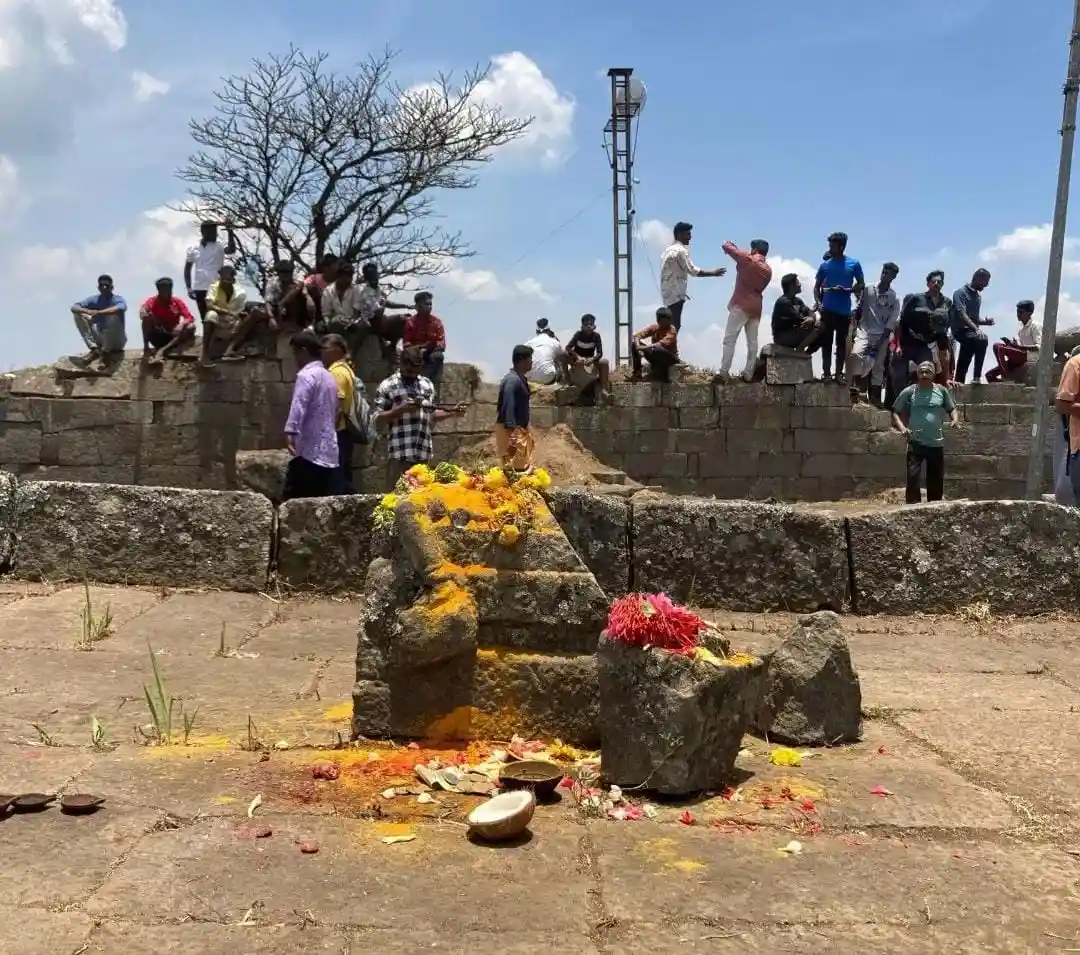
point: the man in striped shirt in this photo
(752, 276)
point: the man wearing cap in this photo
(752, 276)
(1013, 353)
(920, 413)
(839, 277)
(676, 267)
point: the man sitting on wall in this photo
(549, 361)
(793, 323)
(288, 301)
(100, 321)
(167, 324)
(425, 331)
(585, 355)
(1013, 354)
(227, 318)
(661, 350)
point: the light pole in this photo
(1033, 487)
(620, 141)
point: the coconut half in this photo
(503, 816)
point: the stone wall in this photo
(1017, 556)
(182, 426)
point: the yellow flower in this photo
(782, 756)
(495, 478)
(420, 473)
(525, 483)
(388, 501)
(542, 478)
(509, 535)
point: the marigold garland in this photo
(508, 494)
(654, 620)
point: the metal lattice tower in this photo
(626, 101)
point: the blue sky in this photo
(926, 131)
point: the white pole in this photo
(1033, 488)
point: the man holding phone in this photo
(406, 407)
(839, 277)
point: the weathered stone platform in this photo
(446, 600)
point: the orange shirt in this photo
(426, 332)
(666, 338)
(1069, 390)
(752, 276)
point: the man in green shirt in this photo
(920, 413)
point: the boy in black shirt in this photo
(793, 323)
(585, 352)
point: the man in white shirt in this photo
(878, 313)
(676, 267)
(203, 263)
(1013, 354)
(549, 358)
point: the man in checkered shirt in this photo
(406, 407)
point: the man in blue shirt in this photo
(513, 440)
(966, 322)
(100, 321)
(920, 413)
(839, 277)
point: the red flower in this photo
(687, 818)
(653, 620)
(808, 805)
(880, 791)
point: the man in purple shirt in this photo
(311, 430)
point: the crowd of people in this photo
(904, 355)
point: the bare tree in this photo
(303, 161)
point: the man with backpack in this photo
(354, 413)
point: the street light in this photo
(628, 97)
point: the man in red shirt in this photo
(661, 350)
(167, 323)
(426, 331)
(752, 276)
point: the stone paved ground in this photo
(973, 729)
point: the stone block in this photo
(96, 474)
(812, 695)
(829, 419)
(830, 442)
(788, 368)
(692, 396)
(767, 440)
(583, 419)
(803, 489)
(598, 528)
(869, 418)
(988, 439)
(1019, 556)
(987, 414)
(106, 446)
(729, 464)
(163, 537)
(738, 555)
(827, 465)
(121, 384)
(695, 418)
(974, 465)
(19, 444)
(639, 394)
(837, 487)
(644, 467)
(1004, 393)
(643, 442)
(8, 519)
(780, 465)
(264, 473)
(71, 414)
(887, 467)
(820, 395)
(732, 488)
(652, 419)
(753, 395)
(212, 476)
(767, 417)
(669, 723)
(36, 381)
(698, 442)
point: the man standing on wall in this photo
(676, 267)
(923, 332)
(920, 413)
(752, 276)
(965, 322)
(879, 313)
(311, 428)
(839, 277)
(204, 261)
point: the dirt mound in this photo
(558, 450)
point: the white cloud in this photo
(58, 23)
(654, 235)
(532, 288)
(519, 87)
(1024, 242)
(13, 200)
(146, 87)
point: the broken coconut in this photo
(502, 817)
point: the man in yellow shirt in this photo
(225, 316)
(336, 359)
